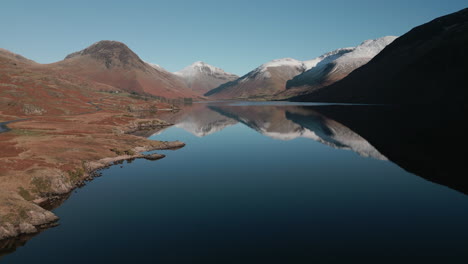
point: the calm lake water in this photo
(259, 183)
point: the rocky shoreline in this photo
(28, 217)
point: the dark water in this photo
(263, 184)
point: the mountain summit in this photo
(202, 77)
(266, 80)
(287, 77)
(112, 54)
(335, 67)
(115, 64)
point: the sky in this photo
(236, 35)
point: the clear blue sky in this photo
(236, 35)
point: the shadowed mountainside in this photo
(334, 69)
(415, 138)
(425, 65)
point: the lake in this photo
(270, 183)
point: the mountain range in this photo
(383, 70)
(115, 65)
(201, 77)
(331, 69)
(283, 78)
(264, 81)
(112, 66)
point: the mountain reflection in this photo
(409, 137)
(275, 121)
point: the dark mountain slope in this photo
(426, 65)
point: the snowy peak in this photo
(200, 67)
(335, 65)
(282, 62)
(327, 57)
(369, 48)
(202, 77)
(157, 67)
(275, 77)
(265, 80)
(263, 72)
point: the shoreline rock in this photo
(36, 218)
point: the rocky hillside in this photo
(113, 63)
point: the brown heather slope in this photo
(113, 63)
(16, 57)
(66, 130)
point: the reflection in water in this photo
(407, 136)
(235, 196)
(424, 140)
(273, 121)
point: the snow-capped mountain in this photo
(328, 57)
(337, 66)
(156, 66)
(265, 80)
(291, 122)
(202, 77)
(277, 77)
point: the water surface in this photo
(259, 184)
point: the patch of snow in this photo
(200, 67)
(369, 48)
(156, 66)
(327, 57)
(282, 62)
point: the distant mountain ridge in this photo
(265, 80)
(202, 77)
(335, 68)
(283, 78)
